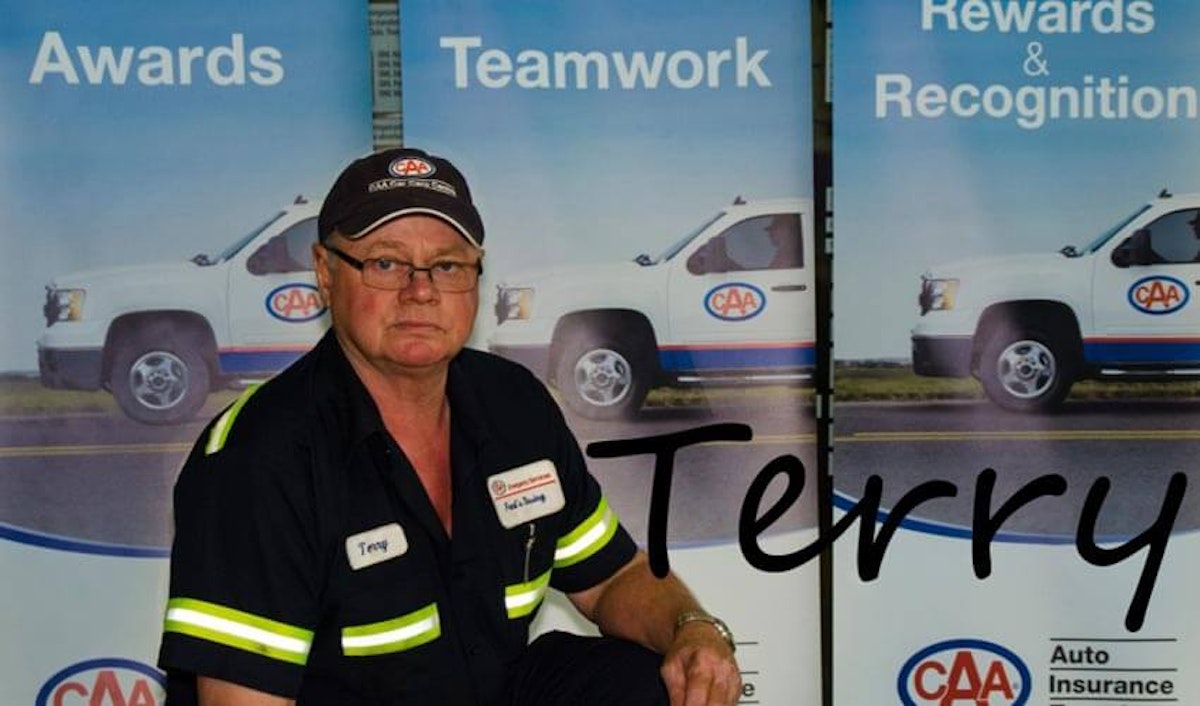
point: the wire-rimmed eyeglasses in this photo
(393, 274)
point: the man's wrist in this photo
(699, 616)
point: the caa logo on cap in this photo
(1158, 295)
(964, 671)
(410, 167)
(104, 681)
(295, 303)
(736, 301)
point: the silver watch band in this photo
(719, 625)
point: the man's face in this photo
(399, 331)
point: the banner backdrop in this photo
(1011, 184)
(151, 155)
(644, 173)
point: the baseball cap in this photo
(387, 185)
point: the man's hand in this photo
(699, 668)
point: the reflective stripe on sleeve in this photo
(395, 635)
(220, 430)
(588, 538)
(233, 628)
(522, 599)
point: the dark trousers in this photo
(561, 669)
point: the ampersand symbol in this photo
(1035, 64)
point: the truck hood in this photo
(125, 276)
(575, 275)
(1023, 263)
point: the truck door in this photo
(275, 312)
(1149, 314)
(741, 301)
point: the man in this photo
(379, 523)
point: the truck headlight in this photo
(513, 303)
(937, 294)
(63, 305)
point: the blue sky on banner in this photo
(571, 175)
(182, 156)
(946, 182)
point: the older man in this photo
(379, 523)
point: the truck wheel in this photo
(1025, 370)
(601, 376)
(158, 380)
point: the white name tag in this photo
(373, 546)
(526, 493)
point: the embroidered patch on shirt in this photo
(373, 546)
(526, 493)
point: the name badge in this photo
(373, 546)
(526, 493)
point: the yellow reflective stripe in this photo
(395, 635)
(521, 600)
(220, 430)
(588, 538)
(226, 626)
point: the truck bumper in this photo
(944, 357)
(73, 369)
(534, 357)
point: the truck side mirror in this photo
(1135, 251)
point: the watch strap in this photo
(692, 616)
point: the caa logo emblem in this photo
(104, 682)
(967, 672)
(1158, 295)
(410, 167)
(736, 301)
(295, 303)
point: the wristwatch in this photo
(719, 625)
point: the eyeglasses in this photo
(389, 273)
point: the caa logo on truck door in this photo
(295, 303)
(1158, 295)
(104, 682)
(736, 301)
(964, 672)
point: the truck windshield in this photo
(679, 244)
(242, 241)
(1103, 238)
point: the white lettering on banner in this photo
(1031, 106)
(229, 65)
(1045, 16)
(580, 70)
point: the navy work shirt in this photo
(308, 561)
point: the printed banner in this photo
(644, 172)
(1017, 343)
(158, 171)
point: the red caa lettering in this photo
(963, 683)
(410, 166)
(1158, 295)
(107, 691)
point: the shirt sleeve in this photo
(246, 566)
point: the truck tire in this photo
(1025, 369)
(603, 376)
(158, 379)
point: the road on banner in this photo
(1136, 445)
(102, 478)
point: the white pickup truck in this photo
(1028, 326)
(731, 301)
(161, 336)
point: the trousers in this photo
(562, 669)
